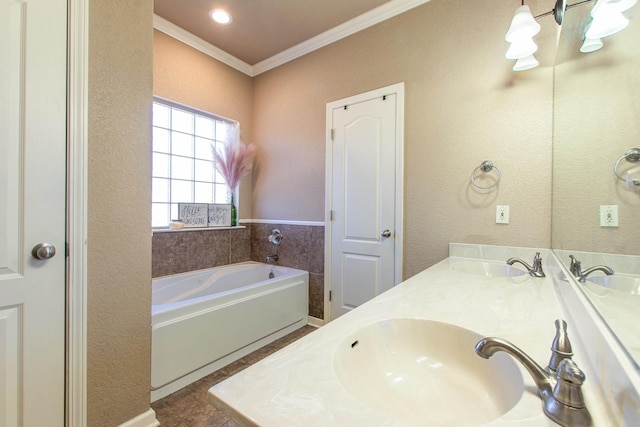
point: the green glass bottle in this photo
(234, 211)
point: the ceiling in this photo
(262, 28)
(267, 33)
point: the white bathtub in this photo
(206, 319)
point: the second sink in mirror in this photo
(619, 282)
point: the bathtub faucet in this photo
(272, 259)
(275, 237)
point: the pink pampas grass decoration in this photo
(234, 160)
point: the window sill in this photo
(169, 230)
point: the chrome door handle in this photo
(43, 251)
(386, 233)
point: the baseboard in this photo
(146, 419)
(315, 322)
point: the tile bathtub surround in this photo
(302, 247)
(181, 251)
(189, 406)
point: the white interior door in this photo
(363, 201)
(32, 211)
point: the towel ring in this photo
(486, 166)
(632, 155)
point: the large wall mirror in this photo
(596, 122)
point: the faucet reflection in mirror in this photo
(575, 267)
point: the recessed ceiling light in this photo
(220, 16)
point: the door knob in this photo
(386, 233)
(43, 251)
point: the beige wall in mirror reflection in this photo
(596, 120)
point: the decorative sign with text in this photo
(194, 214)
(219, 215)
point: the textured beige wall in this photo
(119, 218)
(597, 103)
(463, 105)
(188, 76)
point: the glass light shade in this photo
(617, 5)
(606, 22)
(527, 63)
(591, 45)
(523, 25)
(521, 48)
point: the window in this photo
(183, 166)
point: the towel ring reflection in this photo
(632, 155)
(486, 167)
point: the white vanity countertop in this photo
(297, 385)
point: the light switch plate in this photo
(608, 215)
(502, 214)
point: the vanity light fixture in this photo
(521, 32)
(520, 36)
(591, 45)
(607, 18)
(220, 16)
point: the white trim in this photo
(146, 419)
(398, 89)
(78, 42)
(197, 43)
(315, 322)
(281, 221)
(359, 23)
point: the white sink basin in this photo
(489, 269)
(618, 282)
(427, 373)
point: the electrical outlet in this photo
(609, 216)
(502, 214)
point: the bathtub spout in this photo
(272, 259)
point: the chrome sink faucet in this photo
(576, 269)
(534, 270)
(560, 390)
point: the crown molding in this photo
(197, 43)
(359, 23)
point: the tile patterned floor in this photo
(189, 407)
